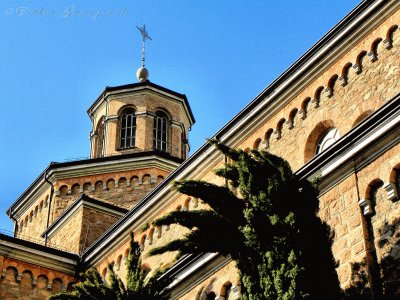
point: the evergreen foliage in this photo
(266, 220)
(91, 286)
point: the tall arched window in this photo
(127, 129)
(327, 140)
(160, 131)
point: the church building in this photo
(334, 114)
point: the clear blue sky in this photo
(57, 56)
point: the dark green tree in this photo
(266, 219)
(91, 286)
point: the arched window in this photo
(327, 140)
(160, 131)
(127, 129)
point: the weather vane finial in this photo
(145, 36)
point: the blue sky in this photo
(56, 57)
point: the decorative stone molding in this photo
(153, 180)
(264, 144)
(357, 68)
(19, 276)
(69, 192)
(236, 292)
(277, 134)
(289, 124)
(387, 43)
(391, 191)
(366, 206)
(371, 55)
(303, 114)
(34, 281)
(315, 102)
(342, 80)
(105, 186)
(328, 92)
(3, 274)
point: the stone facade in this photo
(343, 89)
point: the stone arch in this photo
(134, 180)
(331, 85)
(304, 107)
(63, 190)
(256, 144)
(178, 208)
(186, 204)
(42, 281)
(314, 137)
(226, 290)
(75, 189)
(159, 231)
(122, 183)
(371, 190)
(160, 178)
(104, 273)
(11, 274)
(26, 221)
(317, 96)
(389, 36)
(110, 184)
(267, 137)
(374, 53)
(119, 260)
(31, 216)
(292, 115)
(41, 205)
(99, 138)
(278, 130)
(57, 285)
(87, 187)
(146, 179)
(362, 117)
(26, 279)
(345, 74)
(358, 66)
(126, 253)
(98, 187)
(36, 210)
(46, 201)
(143, 242)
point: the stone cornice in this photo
(38, 255)
(367, 16)
(111, 164)
(127, 90)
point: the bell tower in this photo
(140, 117)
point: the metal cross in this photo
(145, 36)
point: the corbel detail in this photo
(357, 68)
(372, 56)
(303, 114)
(328, 92)
(315, 102)
(342, 80)
(387, 43)
(289, 124)
(277, 134)
(391, 191)
(366, 206)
